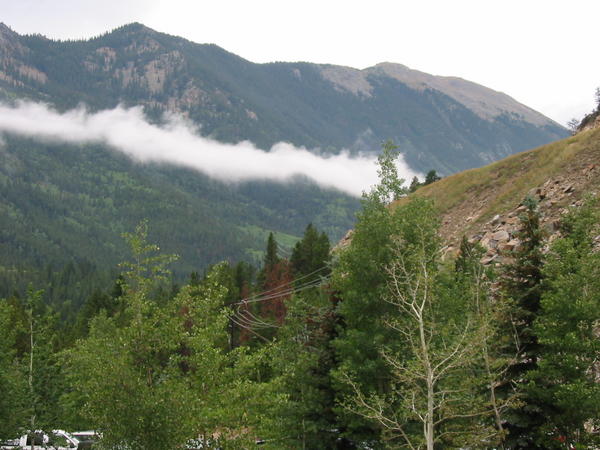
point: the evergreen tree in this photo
(310, 256)
(522, 285)
(566, 328)
(360, 283)
(271, 258)
(431, 177)
(414, 184)
(275, 279)
(302, 354)
(302, 358)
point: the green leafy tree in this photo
(390, 186)
(156, 375)
(360, 283)
(123, 373)
(476, 282)
(434, 394)
(14, 407)
(43, 368)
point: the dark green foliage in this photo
(566, 328)
(302, 360)
(311, 255)
(64, 208)
(414, 185)
(271, 257)
(431, 177)
(522, 284)
(46, 380)
(14, 405)
(360, 282)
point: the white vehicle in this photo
(39, 440)
(85, 439)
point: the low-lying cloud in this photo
(178, 142)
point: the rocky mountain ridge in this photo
(440, 122)
(485, 102)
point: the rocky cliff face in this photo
(499, 236)
(575, 178)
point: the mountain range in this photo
(62, 202)
(442, 123)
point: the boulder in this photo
(501, 235)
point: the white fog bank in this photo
(178, 142)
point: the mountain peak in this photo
(9, 40)
(5, 29)
(485, 102)
(387, 65)
(134, 29)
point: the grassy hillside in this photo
(470, 198)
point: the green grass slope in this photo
(468, 199)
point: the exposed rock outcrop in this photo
(499, 235)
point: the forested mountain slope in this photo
(444, 123)
(61, 203)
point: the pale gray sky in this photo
(541, 52)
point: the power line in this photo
(252, 297)
(249, 329)
(253, 321)
(286, 292)
(248, 321)
(247, 314)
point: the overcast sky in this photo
(541, 52)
